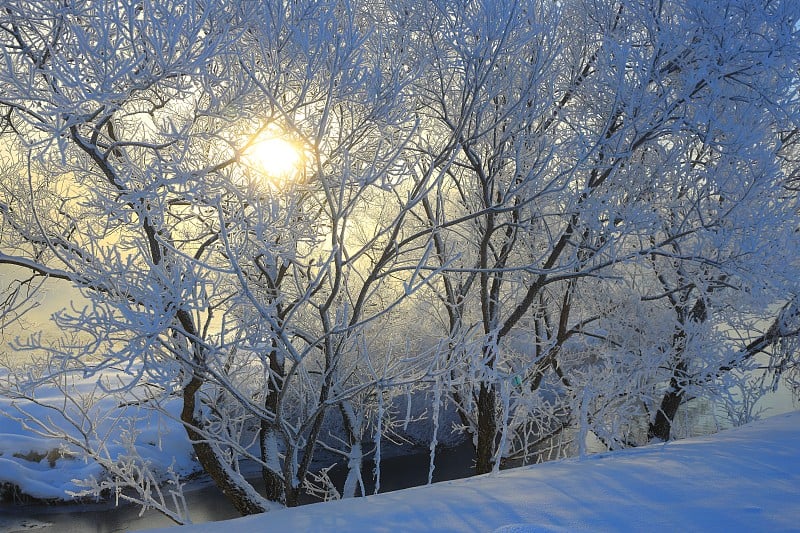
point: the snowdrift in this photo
(744, 479)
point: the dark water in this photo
(206, 504)
(203, 498)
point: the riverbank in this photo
(203, 498)
(45, 469)
(743, 479)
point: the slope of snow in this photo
(744, 479)
(49, 467)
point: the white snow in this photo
(744, 479)
(50, 467)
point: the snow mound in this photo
(744, 479)
(41, 468)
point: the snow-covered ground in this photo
(744, 479)
(51, 468)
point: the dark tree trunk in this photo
(233, 489)
(272, 480)
(292, 496)
(661, 426)
(487, 429)
(209, 460)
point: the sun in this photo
(277, 157)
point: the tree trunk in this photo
(272, 478)
(235, 492)
(487, 429)
(292, 495)
(273, 481)
(661, 426)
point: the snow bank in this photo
(46, 482)
(745, 479)
(50, 467)
(43, 468)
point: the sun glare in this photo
(276, 157)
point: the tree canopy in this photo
(541, 219)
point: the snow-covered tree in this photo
(253, 197)
(583, 142)
(211, 273)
